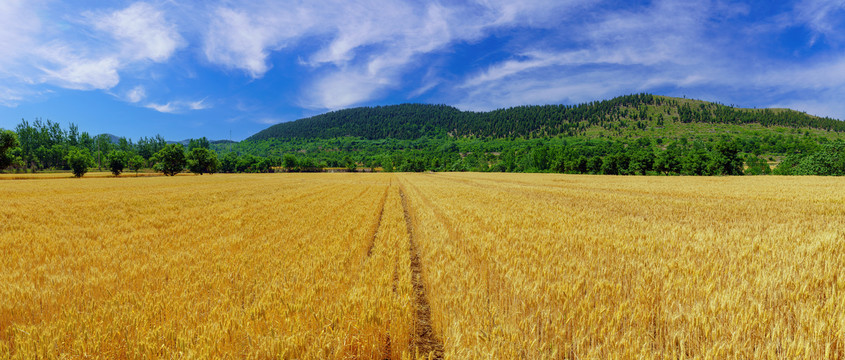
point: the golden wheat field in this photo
(455, 266)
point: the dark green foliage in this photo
(79, 161)
(136, 162)
(623, 136)
(290, 163)
(198, 143)
(118, 160)
(309, 165)
(726, 160)
(201, 160)
(9, 149)
(264, 165)
(414, 121)
(350, 164)
(147, 147)
(170, 160)
(229, 163)
(829, 159)
(44, 144)
(757, 166)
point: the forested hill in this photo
(412, 121)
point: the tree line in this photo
(45, 145)
(722, 155)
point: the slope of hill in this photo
(621, 116)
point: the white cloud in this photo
(85, 50)
(371, 44)
(141, 31)
(20, 25)
(824, 17)
(234, 41)
(344, 88)
(9, 97)
(527, 62)
(269, 121)
(136, 94)
(18, 39)
(573, 86)
(167, 108)
(354, 52)
(178, 107)
(74, 72)
(663, 44)
(198, 105)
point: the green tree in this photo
(829, 159)
(104, 145)
(136, 163)
(386, 164)
(247, 163)
(9, 149)
(349, 164)
(199, 143)
(79, 161)
(264, 165)
(726, 160)
(118, 160)
(695, 162)
(170, 160)
(669, 160)
(203, 161)
(757, 166)
(289, 163)
(229, 163)
(309, 165)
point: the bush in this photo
(203, 161)
(170, 160)
(757, 166)
(79, 161)
(9, 149)
(136, 163)
(117, 161)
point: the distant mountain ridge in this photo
(413, 121)
(114, 139)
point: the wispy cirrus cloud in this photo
(665, 45)
(179, 106)
(371, 44)
(824, 17)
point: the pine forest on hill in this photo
(621, 116)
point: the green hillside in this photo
(629, 135)
(639, 115)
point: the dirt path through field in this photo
(424, 337)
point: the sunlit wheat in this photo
(507, 266)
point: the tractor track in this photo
(424, 339)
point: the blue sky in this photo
(187, 69)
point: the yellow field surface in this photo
(459, 265)
(69, 175)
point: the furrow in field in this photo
(425, 340)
